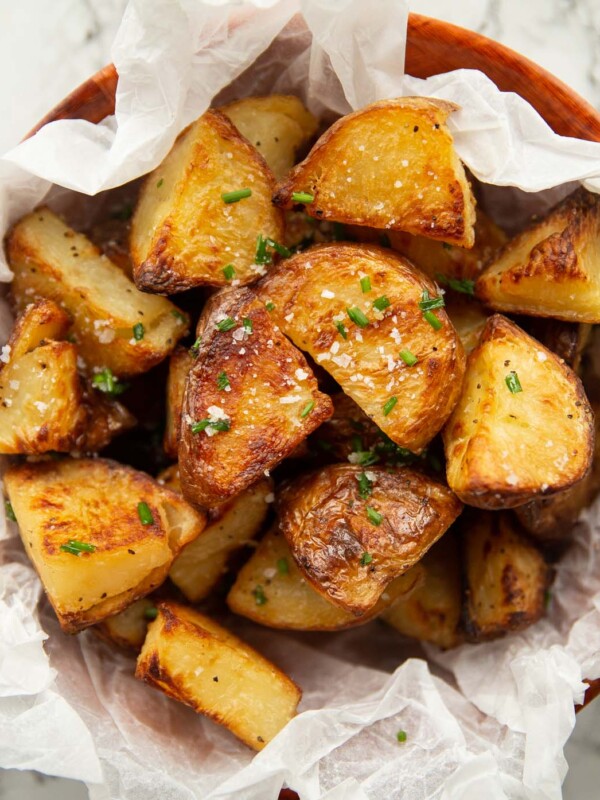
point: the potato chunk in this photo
(551, 269)
(128, 628)
(51, 260)
(391, 165)
(351, 532)
(41, 400)
(95, 548)
(523, 426)
(183, 233)
(107, 418)
(357, 310)
(277, 125)
(271, 590)
(469, 318)
(505, 575)
(192, 659)
(179, 366)
(250, 399)
(432, 612)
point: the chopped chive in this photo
(196, 346)
(237, 194)
(365, 486)
(384, 240)
(374, 516)
(463, 285)
(409, 359)
(283, 567)
(261, 256)
(76, 548)
(279, 248)
(259, 595)
(151, 613)
(389, 405)
(160, 183)
(221, 425)
(223, 382)
(365, 284)
(366, 458)
(270, 306)
(178, 315)
(401, 736)
(365, 559)
(226, 324)
(513, 382)
(217, 425)
(145, 514)
(358, 317)
(339, 231)
(248, 324)
(428, 303)
(229, 272)
(108, 383)
(307, 409)
(381, 303)
(138, 332)
(341, 330)
(302, 197)
(432, 320)
(10, 514)
(356, 443)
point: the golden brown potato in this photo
(250, 399)
(271, 590)
(277, 125)
(99, 534)
(352, 531)
(192, 659)
(469, 319)
(179, 365)
(523, 427)
(432, 612)
(113, 324)
(183, 232)
(505, 577)
(374, 323)
(551, 269)
(128, 628)
(391, 165)
(41, 401)
(107, 418)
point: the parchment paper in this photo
(486, 721)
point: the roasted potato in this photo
(567, 339)
(192, 659)
(523, 427)
(362, 313)
(99, 534)
(128, 628)
(41, 399)
(551, 269)
(469, 318)
(432, 613)
(179, 365)
(505, 577)
(351, 532)
(277, 125)
(185, 232)
(113, 324)
(391, 165)
(107, 418)
(250, 399)
(271, 590)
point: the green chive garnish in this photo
(401, 736)
(237, 194)
(365, 559)
(226, 324)
(248, 325)
(223, 382)
(431, 318)
(261, 256)
(381, 303)
(366, 458)
(178, 315)
(10, 514)
(302, 197)
(307, 409)
(428, 303)
(365, 284)
(76, 548)
(270, 306)
(106, 382)
(259, 595)
(196, 346)
(374, 516)
(229, 272)
(408, 358)
(145, 514)
(365, 486)
(513, 382)
(217, 425)
(357, 316)
(389, 405)
(463, 285)
(341, 330)
(160, 183)
(279, 248)
(283, 567)
(138, 332)
(151, 613)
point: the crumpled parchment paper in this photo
(487, 721)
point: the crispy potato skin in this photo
(426, 392)
(182, 232)
(271, 386)
(382, 166)
(95, 501)
(179, 365)
(567, 339)
(128, 628)
(194, 660)
(325, 521)
(107, 418)
(503, 449)
(505, 576)
(551, 269)
(271, 590)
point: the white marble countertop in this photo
(48, 48)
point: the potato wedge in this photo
(95, 549)
(271, 590)
(505, 576)
(320, 304)
(41, 399)
(469, 319)
(551, 269)
(128, 628)
(180, 364)
(391, 165)
(183, 234)
(567, 339)
(51, 260)
(251, 398)
(107, 418)
(523, 427)
(277, 125)
(432, 613)
(192, 659)
(352, 532)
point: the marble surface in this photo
(48, 48)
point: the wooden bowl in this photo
(433, 47)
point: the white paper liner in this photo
(481, 721)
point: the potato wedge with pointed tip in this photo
(179, 366)
(183, 233)
(192, 659)
(552, 268)
(250, 399)
(390, 165)
(357, 310)
(523, 427)
(352, 532)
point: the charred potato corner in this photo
(295, 438)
